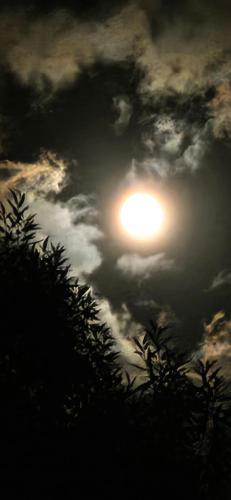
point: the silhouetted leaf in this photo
(13, 192)
(22, 199)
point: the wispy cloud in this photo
(123, 328)
(47, 174)
(216, 343)
(172, 145)
(123, 108)
(139, 266)
(222, 278)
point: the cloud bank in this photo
(186, 56)
(182, 53)
(60, 222)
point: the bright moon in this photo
(141, 216)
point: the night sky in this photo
(99, 98)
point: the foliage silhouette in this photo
(68, 417)
(53, 347)
(188, 413)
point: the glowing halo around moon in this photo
(141, 216)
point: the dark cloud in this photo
(56, 47)
(84, 9)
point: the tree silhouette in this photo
(68, 418)
(57, 361)
(53, 348)
(186, 417)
